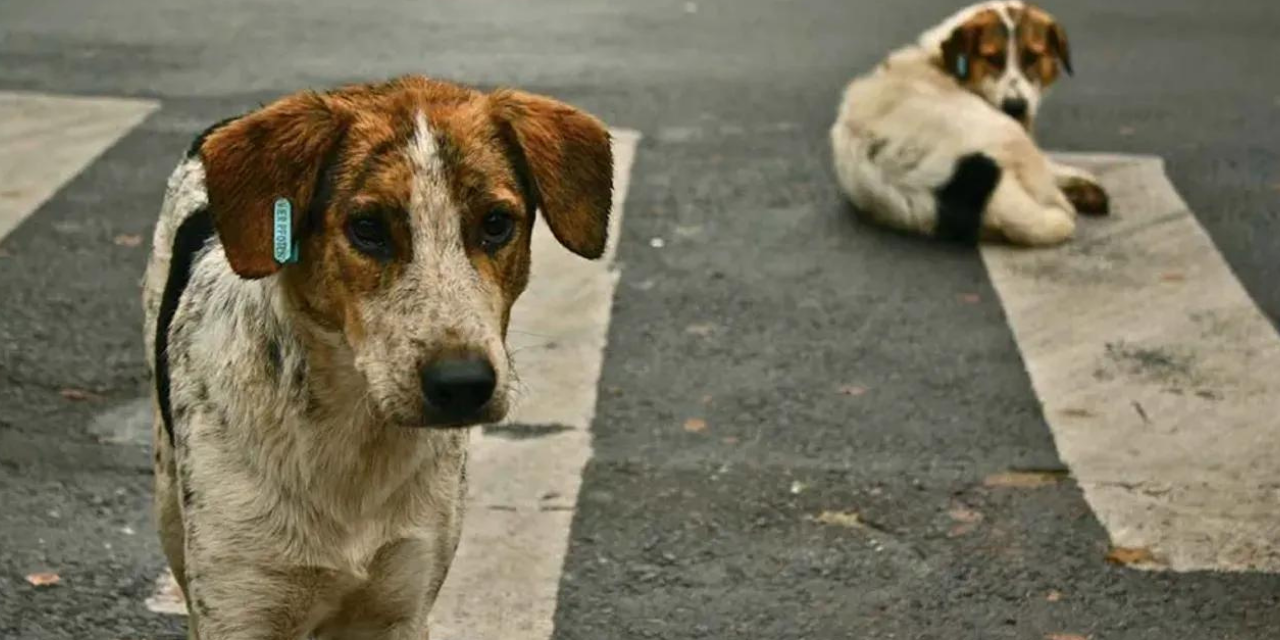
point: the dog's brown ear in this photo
(1059, 47)
(569, 165)
(960, 50)
(275, 152)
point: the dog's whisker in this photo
(528, 333)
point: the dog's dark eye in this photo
(496, 229)
(369, 235)
(1029, 58)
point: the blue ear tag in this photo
(962, 66)
(283, 245)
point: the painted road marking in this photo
(46, 140)
(525, 475)
(506, 577)
(1159, 376)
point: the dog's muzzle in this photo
(457, 390)
(1015, 108)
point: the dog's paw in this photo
(1087, 196)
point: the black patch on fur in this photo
(520, 166)
(192, 235)
(275, 358)
(299, 376)
(188, 496)
(961, 201)
(325, 181)
(877, 145)
(194, 149)
(201, 607)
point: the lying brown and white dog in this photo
(327, 297)
(936, 140)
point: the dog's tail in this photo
(963, 198)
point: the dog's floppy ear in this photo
(959, 49)
(1058, 46)
(276, 152)
(568, 163)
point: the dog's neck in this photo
(336, 392)
(335, 423)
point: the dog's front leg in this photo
(239, 601)
(394, 603)
(1082, 189)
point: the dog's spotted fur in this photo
(296, 491)
(926, 143)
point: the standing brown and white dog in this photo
(936, 140)
(309, 478)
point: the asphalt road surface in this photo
(805, 427)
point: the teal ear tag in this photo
(283, 245)
(962, 67)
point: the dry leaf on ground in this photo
(1076, 412)
(701, 330)
(1053, 596)
(127, 240)
(1024, 479)
(695, 425)
(1173, 276)
(852, 390)
(1127, 556)
(44, 579)
(966, 520)
(961, 513)
(970, 298)
(847, 519)
(78, 395)
(1065, 636)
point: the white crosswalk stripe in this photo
(46, 140)
(504, 581)
(1158, 376)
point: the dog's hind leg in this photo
(1016, 216)
(961, 201)
(168, 515)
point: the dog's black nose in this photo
(458, 387)
(1015, 107)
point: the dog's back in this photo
(184, 198)
(898, 151)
